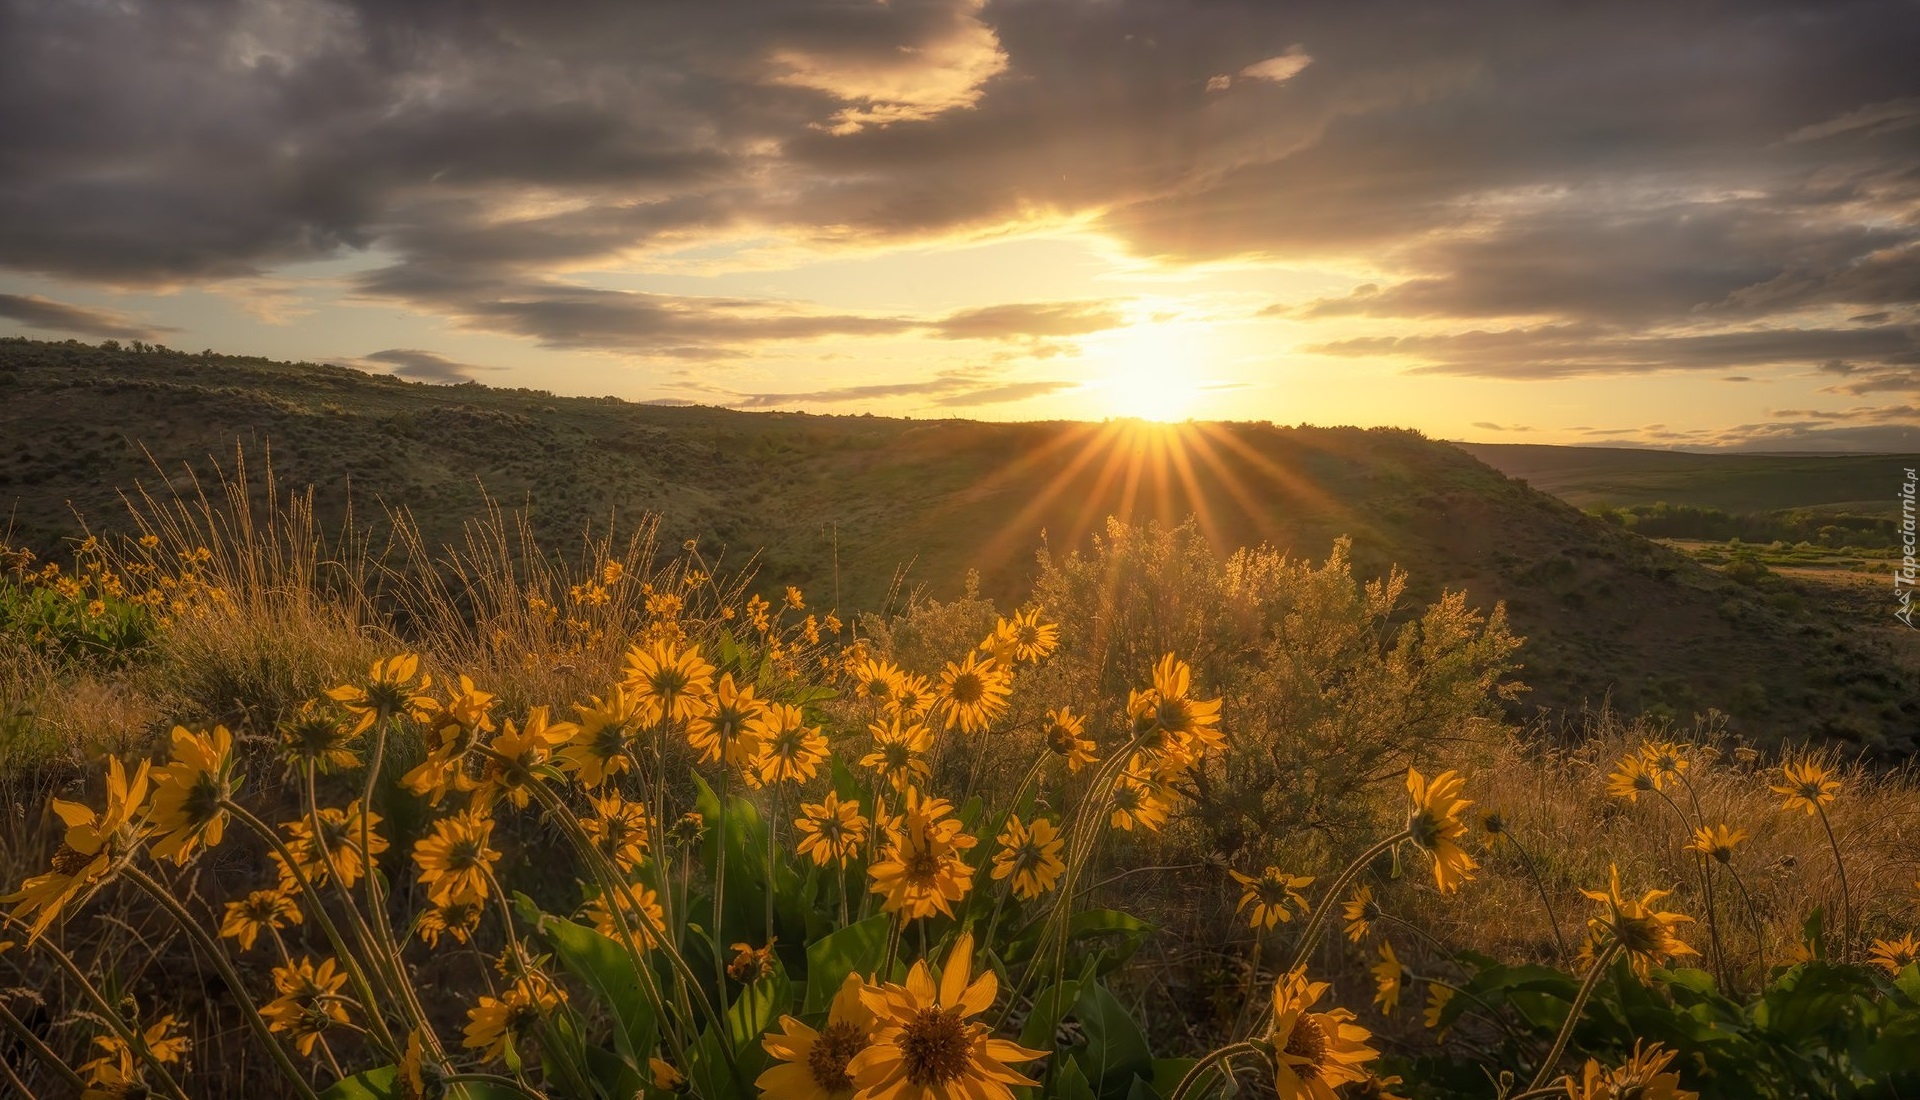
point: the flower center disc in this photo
(934, 1046)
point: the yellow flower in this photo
(1138, 800)
(899, 753)
(1436, 828)
(749, 963)
(458, 919)
(314, 734)
(508, 769)
(792, 751)
(1895, 955)
(340, 832)
(665, 1077)
(1315, 1052)
(455, 862)
(1644, 1076)
(604, 739)
(1717, 842)
(670, 684)
(1632, 778)
(496, 1021)
(795, 599)
(1667, 759)
(1065, 734)
(1030, 855)
(812, 1065)
(1386, 979)
(876, 679)
(912, 697)
(1437, 997)
(832, 830)
(1809, 785)
(453, 727)
(1360, 911)
(93, 842)
(729, 730)
(309, 1001)
(923, 1048)
(972, 693)
(259, 911)
(188, 794)
(388, 689)
(1193, 724)
(1644, 933)
(619, 829)
(117, 1067)
(1270, 896)
(920, 872)
(632, 903)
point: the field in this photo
(655, 778)
(1586, 476)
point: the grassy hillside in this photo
(1731, 482)
(839, 504)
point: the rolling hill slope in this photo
(1731, 482)
(840, 503)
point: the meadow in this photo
(344, 813)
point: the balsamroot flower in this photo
(1194, 724)
(1644, 1076)
(791, 751)
(1437, 997)
(912, 697)
(1387, 975)
(899, 753)
(456, 862)
(1632, 778)
(1314, 1052)
(189, 794)
(509, 766)
(1272, 897)
(1716, 842)
(1808, 785)
(1360, 911)
(831, 831)
(876, 679)
(924, 1048)
(115, 1072)
(972, 693)
(638, 906)
(619, 829)
(749, 963)
(1030, 855)
(604, 738)
(1893, 956)
(1666, 759)
(672, 685)
(309, 1001)
(318, 736)
(388, 689)
(729, 730)
(260, 911)
(495, 1022)
(812, 1065)
(1138, 799)
(1065, 734)
(1435, 827)
(93, 843)
(1023, 638)
(338, 838)
(921, 872)
(458, 919)
(453, 728)
(1645, 933)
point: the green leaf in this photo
(1116, 1052)
(856, 949)
(374, 1084)
(1069, 1083)
(608, 972)
(751, 1013)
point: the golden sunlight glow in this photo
(1150, 371)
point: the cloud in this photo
(45, 313)
(424, 366)
(958, 388)
(1030, 319)
(1488, 425)
(1279, 69)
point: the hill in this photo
(1587, 476)
(840, 503)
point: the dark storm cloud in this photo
(1624, 170)
(37, 312)
(424, 366)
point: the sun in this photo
(1150, 370)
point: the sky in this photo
(1679, 224)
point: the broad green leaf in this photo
(1116, 1052)
(856, 949)
(1069, 1083)
(607, 970)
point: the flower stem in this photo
(1191, 1082)
(1846, 901)
(1318, 921)
(40, 1050)
(225, 967)
(1540, 885)
(1573, 1016)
